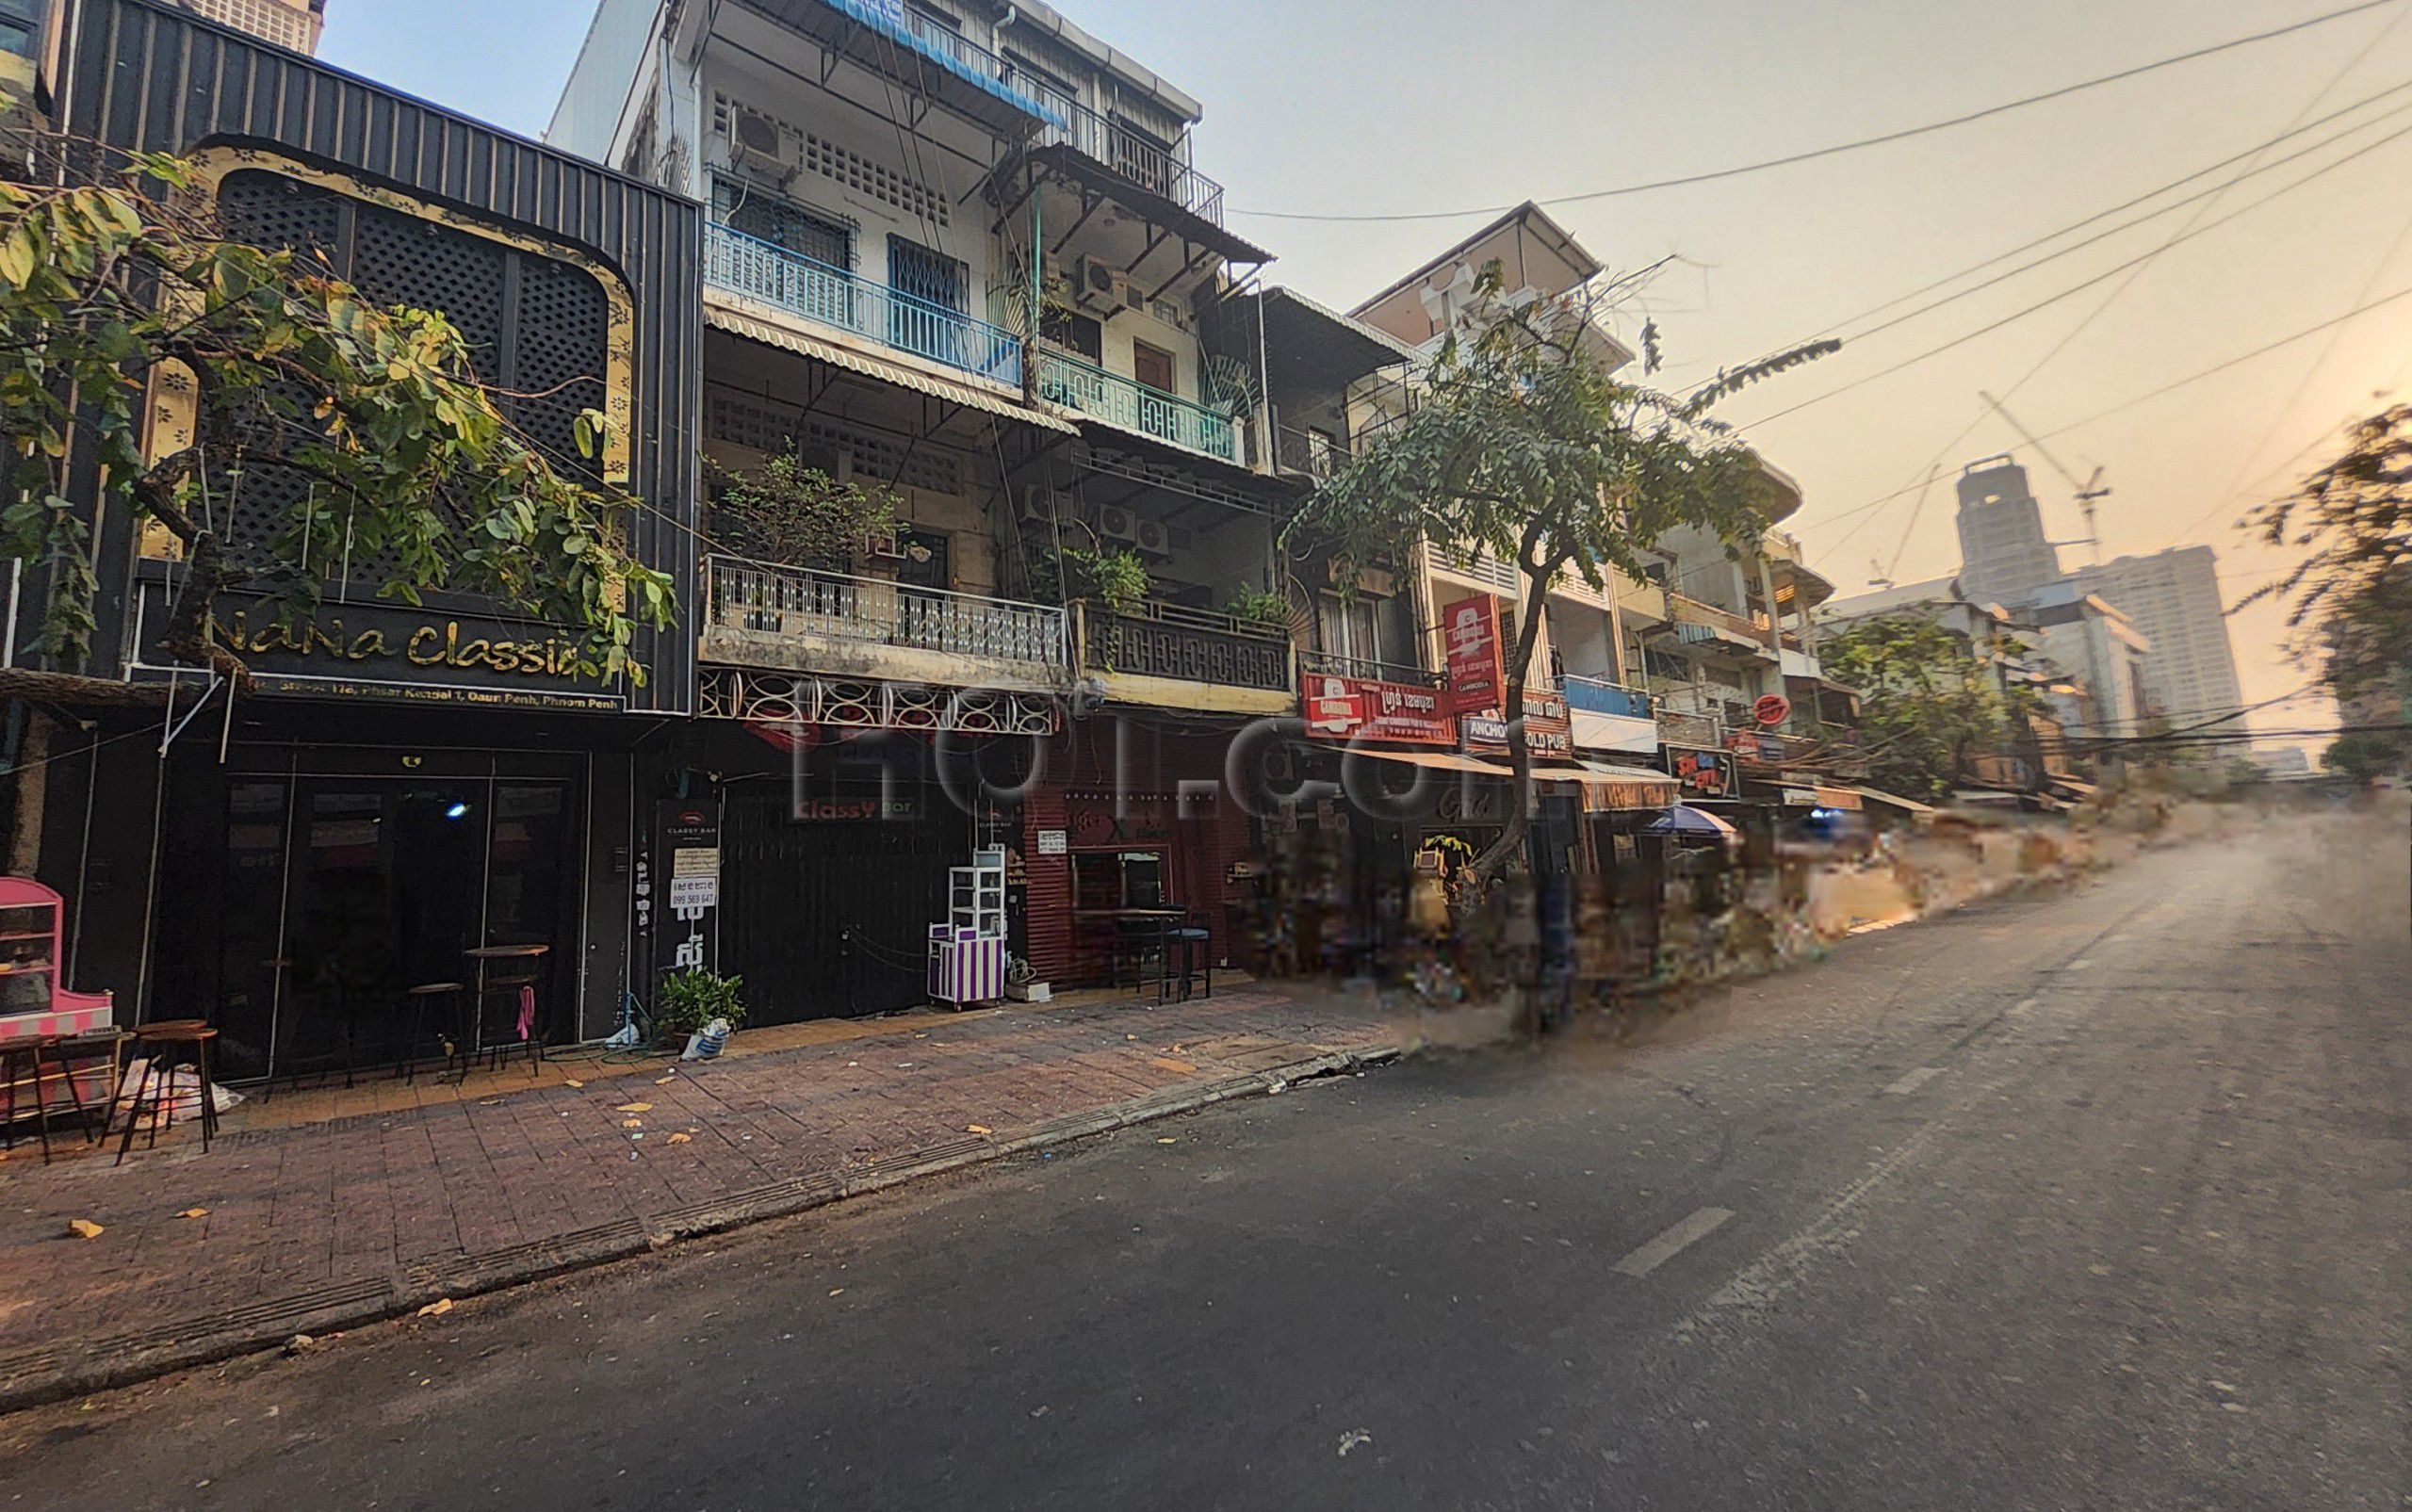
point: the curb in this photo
(53, 1373)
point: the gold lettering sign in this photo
(434, 644)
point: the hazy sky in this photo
(1407, 105)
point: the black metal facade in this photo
(138, 76)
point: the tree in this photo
(1521, 444)
(107, 284)
(2349, 600)
(1930, 703)
(2366, 755)
(796, 516)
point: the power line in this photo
(2074, 289)
(1839, 148)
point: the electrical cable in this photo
(1839, 148)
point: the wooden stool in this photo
(25, 1057)
(164, 1047)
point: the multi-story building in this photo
(2104, 651)
(2004, 554)
(294, 23)
(404, 785)
(2173, 599)
(962, 251)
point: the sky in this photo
(1406, 107)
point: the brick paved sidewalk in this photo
(324, 1226)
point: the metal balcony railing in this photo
(1186, 645)
(802, 286)
(1081, 385)
(766, 599)
(1145, 161)
(957, 53)
(1595, 695)
(1326, 664)
(1314, 453)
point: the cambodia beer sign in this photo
(1477, 673)
(1348, 708)
(394, 651)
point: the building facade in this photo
(2173, 599)
(293, 23)
(2004, 554)
(408, 786)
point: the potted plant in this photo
(1255, 606)
(692, 1002)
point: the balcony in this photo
(761, 614)
(799, 286)
(1326, 664)
(1595, 695)
(1176, 657)
(1608, 716)
(1140, 159)
(968, 78)
(1314, 454)
(1699, 624)
(1084, 386)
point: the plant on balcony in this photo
(792, 513)
(1255, 606)
(109, 282)
(1525, 445)
(1113, 579)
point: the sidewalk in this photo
(313, 1226)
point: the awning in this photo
(1985, 796)
(1844, 798)
(737, 322)
(1609, 788)
(2070, 785)
(1686, 820)
(1438, 761)
(1907, 805)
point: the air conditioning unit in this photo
(1152, 540)
(1117, 525)
(1102, 287)
(889, 546)
(1041, 505)
(755, 137)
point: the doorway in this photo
(335, 896)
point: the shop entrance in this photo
(330, 898)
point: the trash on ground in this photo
(436, 1309)
(85, 1228)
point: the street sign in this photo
(1772, 710)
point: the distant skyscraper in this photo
(2174, 598)
(294, 23)
(2004, 554)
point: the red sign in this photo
(1344, 708)
(1772, 710)
(1478, 674)
(1704, 773)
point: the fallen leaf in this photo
(667, 1080)
(1168, 1063)
(631, 1123)
(680, 1139)
(436, 1309)
(572, 1083)
(1167, 1140)
(836, 1291)
(84, 1229)
(978, 1128)
(194, 1212)
(636, 1107)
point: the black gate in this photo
(830, 919)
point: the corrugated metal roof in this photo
(954, 391)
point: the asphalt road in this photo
(2095, 1199)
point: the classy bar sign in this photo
(394, 652)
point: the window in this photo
(768, 218)
(1153, 366)
(1073, 333)
(1349, 627)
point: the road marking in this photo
(1673, 1241)
(1915, 1080)
(2080, 965)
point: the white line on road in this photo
(1673, 1241)
(1915, 1080)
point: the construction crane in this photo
(2088, 493)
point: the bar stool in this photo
(418, 1001)
(164, 1047)
(505, 1010)
(1192, 943)
(25, 1057)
